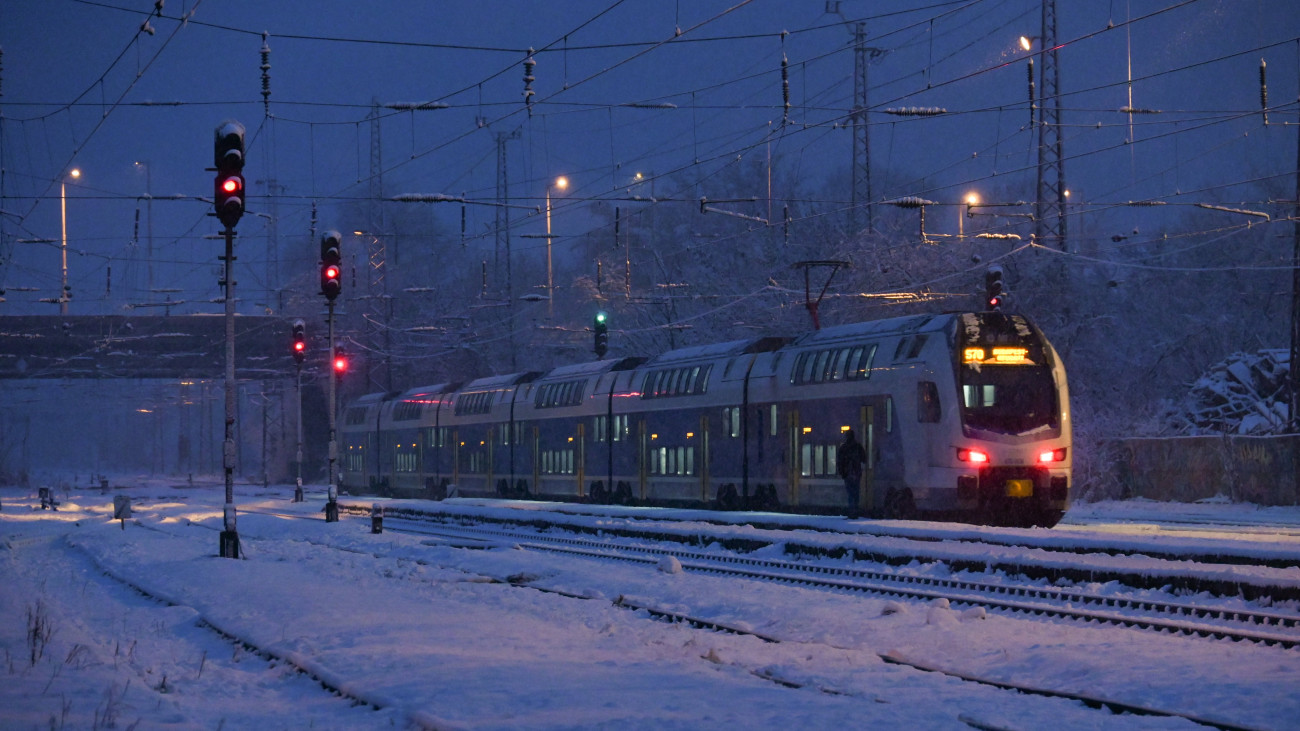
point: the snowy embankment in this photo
(450, 638)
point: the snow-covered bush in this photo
(1247, 393)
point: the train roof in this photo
(374, 398)
(510, 379)
(429, 390)
(718, 350)
(876, 328)
(577, 370)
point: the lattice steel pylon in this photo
(379, 309)
(1049, 208)
(861, 190)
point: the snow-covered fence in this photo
(1261, 470)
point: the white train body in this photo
(962, 416)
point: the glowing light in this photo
(690, 434)
(1009, 354)
(230, 185)
(1052, 455)
(561, 183)
(1025, 43)
(332, 272)
(807, 430)
(972, 199)
(972, 455)
(973, 355)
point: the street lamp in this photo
(560, 184)
(971, 200)
(63, 217)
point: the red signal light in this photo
(230, 185)
(331, 272)
(340, 364)
(299, 347)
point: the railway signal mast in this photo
(228, 205)
(331, 284)
(299, 355)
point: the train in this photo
(961, 416)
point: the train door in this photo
(866, 484)
(641, 458)
(703, 463)
(455, 457)
(535, 441)
(793, 432)
(488, 484)
(580, 456)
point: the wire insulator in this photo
(529, 65)
(266, 74)
(1263, 88)
(785, 88)
(1031, 92)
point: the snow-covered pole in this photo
(229, 535)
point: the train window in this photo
(731, 421)
(621, 430)
(860, 362)
(928, 410)
(819, 370)
(805, 371)
(356, 416)
(917, 345)
(837, 372)
(771, 422)
(889, 414)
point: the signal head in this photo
(228, 200)
(228, 147)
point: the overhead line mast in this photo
(1049, 210)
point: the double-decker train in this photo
(963, 416)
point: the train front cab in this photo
(1007, 424)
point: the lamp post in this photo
(560, 184)
(63, 217)
(148, 193)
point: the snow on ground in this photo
(434, 636)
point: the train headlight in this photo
(972, 455)
(1051, 455)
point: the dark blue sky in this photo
(84, 87)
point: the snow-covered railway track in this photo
(1027, 560)
(771, 674)
(1268, 628)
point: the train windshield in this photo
(1009, 399)
(1005, 376)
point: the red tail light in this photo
(972, 455)
(1052, 455)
